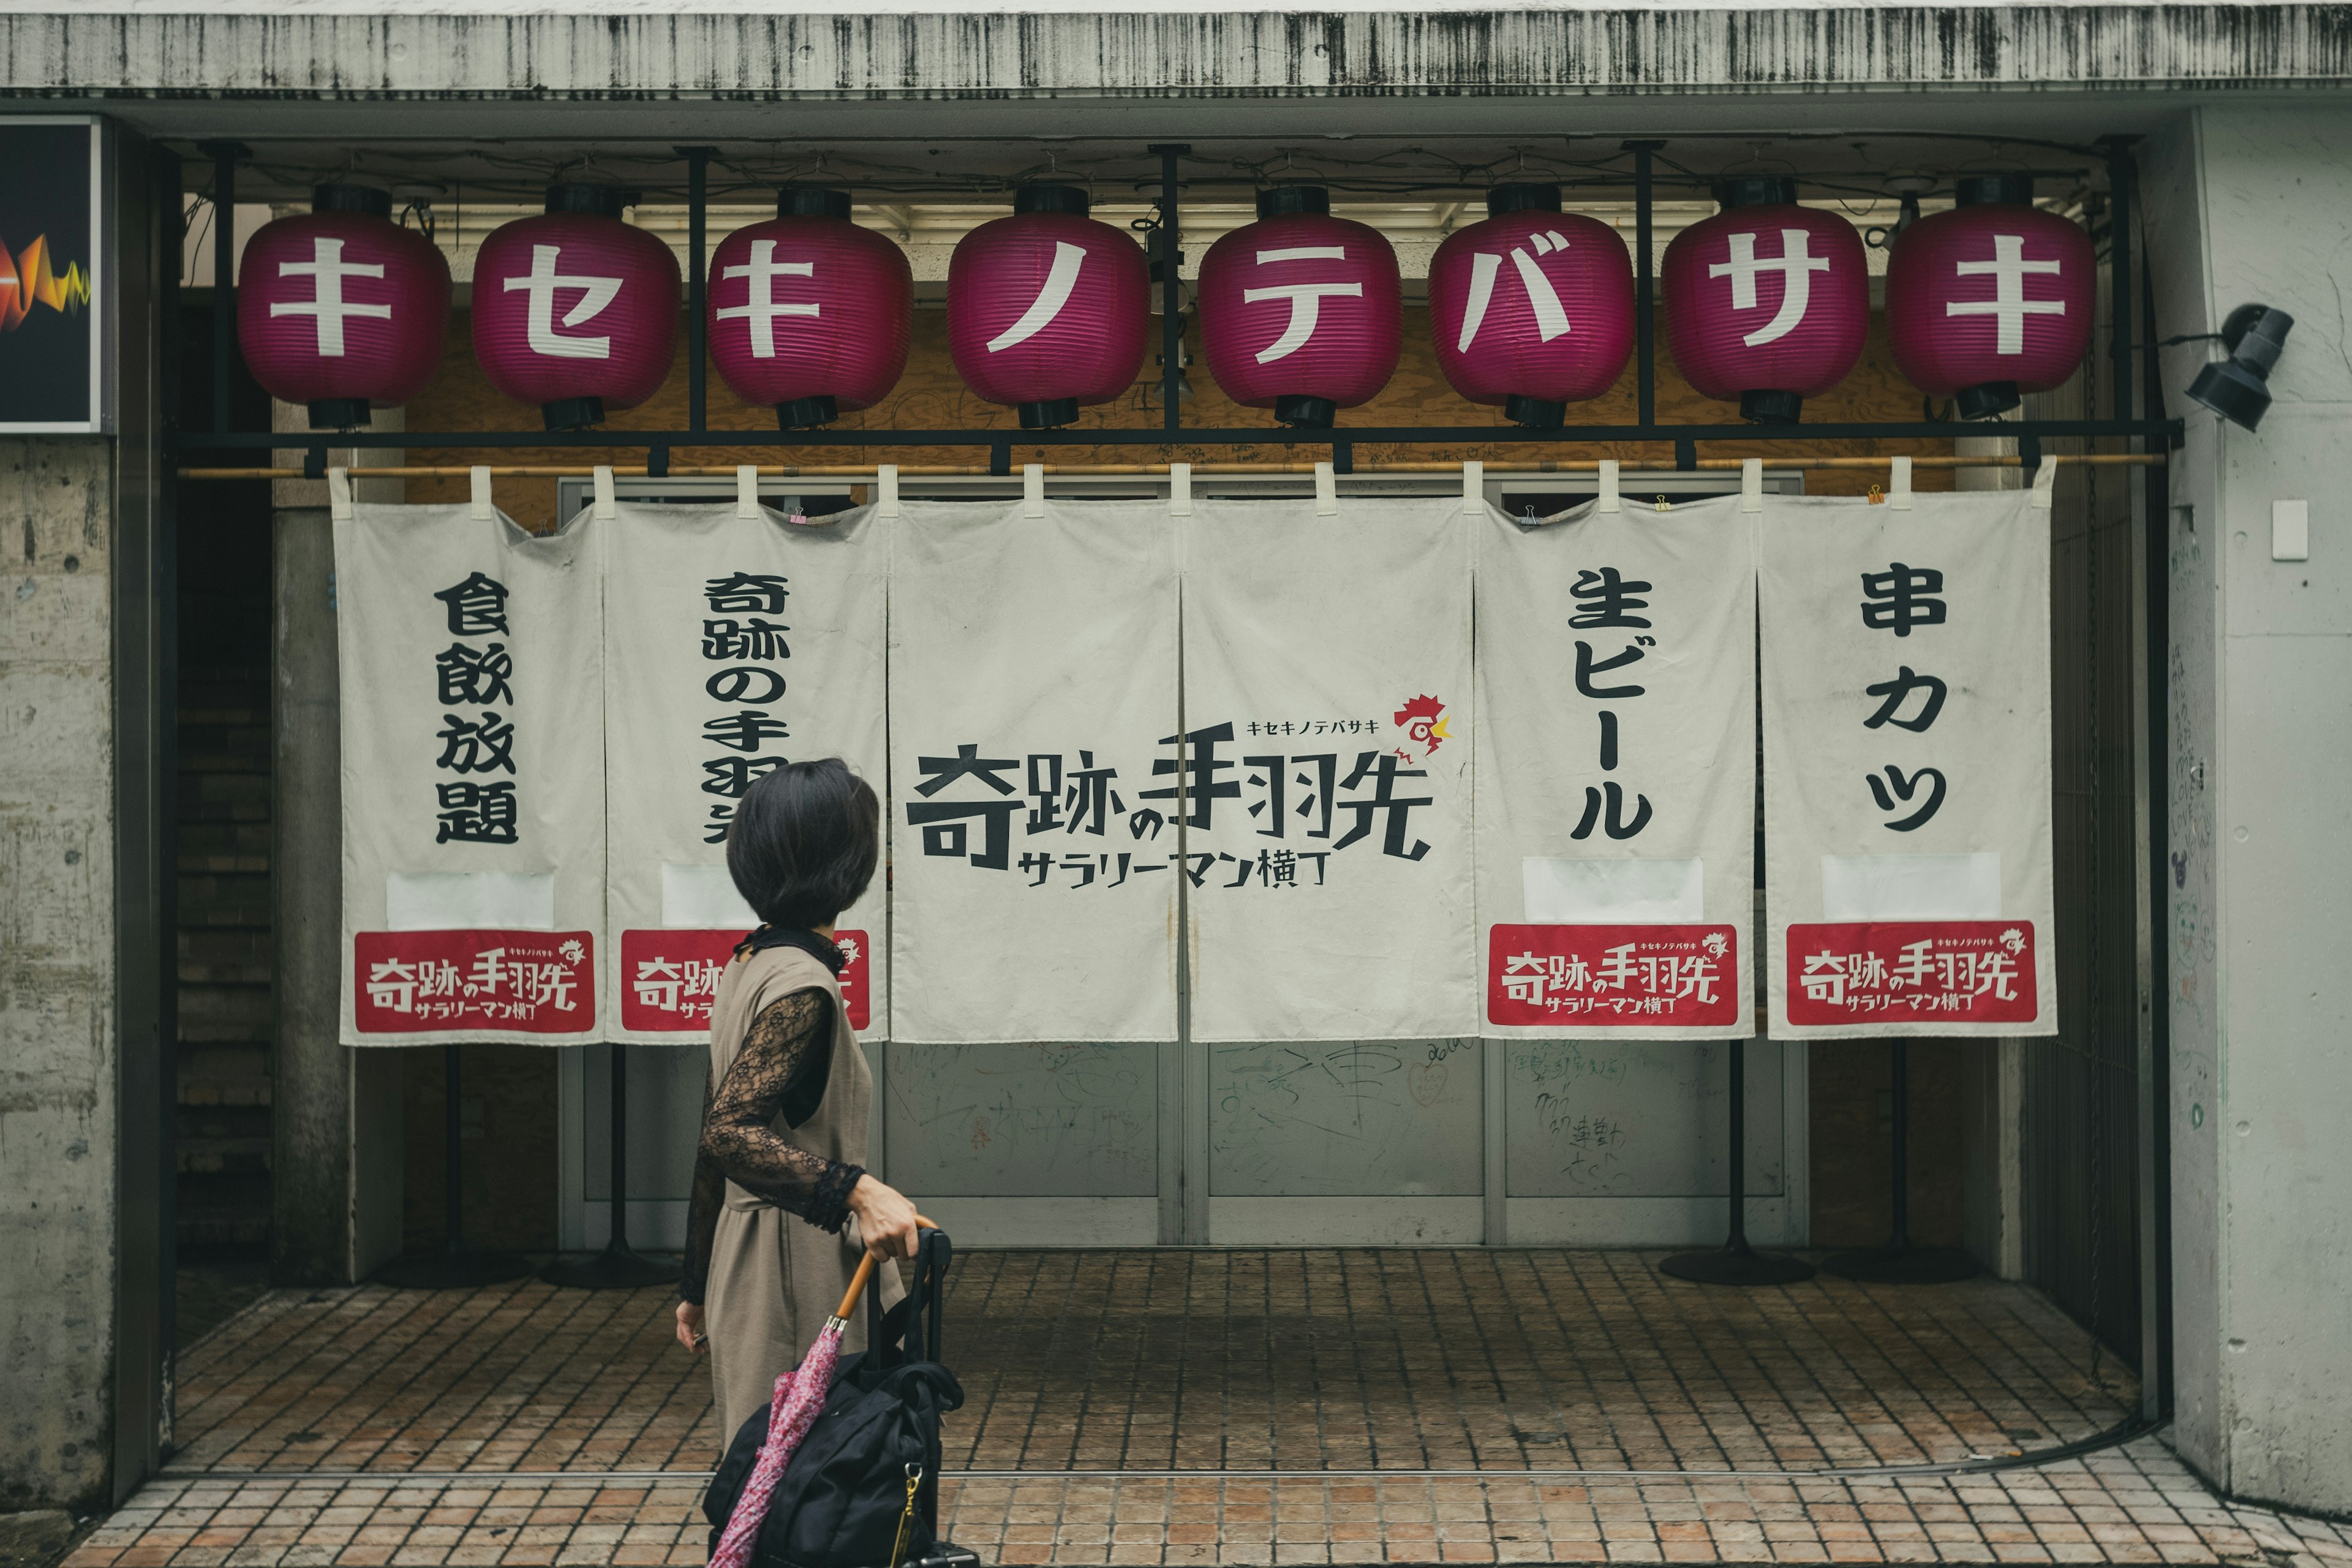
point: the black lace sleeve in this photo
(782, 1068)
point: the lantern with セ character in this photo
(575, 310)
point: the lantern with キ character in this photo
(809, 313)
(1768, 303)
(1532, 308)
(341, 309)
(575, 310)
(1047, 308)
(1991, 300)
(1300, 312)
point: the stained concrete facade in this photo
(58, 1038)
(2248, 110)
(2250, 206)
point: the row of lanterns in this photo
(1048, 310)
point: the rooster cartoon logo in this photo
(1715, 944)
(2013, 940)
(572, 953)
(1423, 720)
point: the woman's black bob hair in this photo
(803, 842)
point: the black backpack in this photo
(862, 1490)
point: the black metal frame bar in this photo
(1172, 431)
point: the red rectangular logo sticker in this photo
(669, 978)
(416, 982)
(1968, 971)
(1661, 976)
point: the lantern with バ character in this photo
(809, 313)
(575, 310)
(1300, 312)
(1531, 308)
(1047, 308)
(342, 309)
(1991, 298)
(1767, 302)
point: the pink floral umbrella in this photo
(799, 1397)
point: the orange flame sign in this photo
(26, 280)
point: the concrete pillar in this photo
(59, 1067)
(2248, 205)
(337, 1110)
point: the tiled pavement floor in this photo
(1533, 1363)
(2130, 1505)
(1428, 1359)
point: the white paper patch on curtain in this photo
(1907, 766)
(473, 778)
(1033, 692)
(1617, 774)
(1328, 730)
(734, 644)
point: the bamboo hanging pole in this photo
(866, 473)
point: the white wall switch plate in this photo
(2290, 531)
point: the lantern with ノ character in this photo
(1991, 298)
(1767, 302)
(1300, 312)
(340, 308)
(1532, 308)
(808, 312)
(575, 310)
(1047, 308)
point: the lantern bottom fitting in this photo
(806, 412)
(573, 412)
(1536, 413)
(1298, 408)
(338, 413)
(1984, 402)
(1049, 415)
(1765, 406)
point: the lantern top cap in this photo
(1756, 191)
(811, 201)
(1049, 198)
(1978, 190)
(1287, 201)
(371, 200)
(1522, 198)
(602, 201)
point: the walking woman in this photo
(782, 1207)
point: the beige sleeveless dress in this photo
(774, 1278)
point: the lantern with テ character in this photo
(1300, 312)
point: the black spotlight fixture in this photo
(2237, 388)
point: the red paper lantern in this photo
(1766, 301)
(810, 312)
(575, 310)
(1991, 298)
(343, 309)
(1048, 309)
(1300, 312)
(1532, 310)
